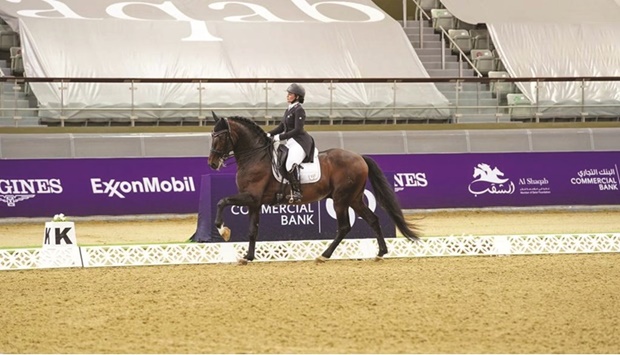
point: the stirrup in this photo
(295, 197)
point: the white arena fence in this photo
(213, 253)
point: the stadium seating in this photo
(98, 122)
(442, 18)
(480, 39)
(460, 40)
(483, 60)
(426, 6)
(498, 88)
(17, 63)
(520, 108)
(499, 63)
(8, 39)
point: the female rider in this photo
(299, 143)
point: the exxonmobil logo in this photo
(121, 188)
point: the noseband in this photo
(226, 154)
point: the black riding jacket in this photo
(292, 126)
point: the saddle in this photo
(309, 172)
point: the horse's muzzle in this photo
(215, 164)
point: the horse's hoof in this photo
(321, 259)
(224, 232)
(242, 261)
(378, 258)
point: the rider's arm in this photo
(279, 129)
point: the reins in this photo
(249, 153)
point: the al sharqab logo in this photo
(490, 181)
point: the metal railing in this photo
(444, 35)
(456, 110)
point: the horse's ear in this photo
(217, 119)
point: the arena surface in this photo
(441, 223)
(514, 304)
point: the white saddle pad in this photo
(309, 172)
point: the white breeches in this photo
(296, 154)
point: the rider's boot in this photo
(293, 178)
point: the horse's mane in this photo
(251, 125)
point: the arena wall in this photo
(83, 174)
(186, 144)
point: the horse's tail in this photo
(384, 193)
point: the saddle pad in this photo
(309, 172)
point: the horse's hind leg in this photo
(344, 227)
(373, 221)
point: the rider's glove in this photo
(276, 138)
(268, 135)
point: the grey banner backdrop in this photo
(214, 39)
(127, 186)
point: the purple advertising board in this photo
(87, 187)
(315, 220)
(132, 186)
(504, 179)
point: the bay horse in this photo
(343, 178)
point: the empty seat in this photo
(480, 39)
(499, 63)
(146, 121)
(460, 39)
(499, 88)
(121, 120)
(519, 107)
(17, 63)
(483, 60)
(98, 121)
(169, 121)
(426, 6)
(8, 39)
(442, 18)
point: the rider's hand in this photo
(276, 138)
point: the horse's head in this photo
(241, 135)
(221, 142)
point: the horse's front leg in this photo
(242, 199)
(254, 213)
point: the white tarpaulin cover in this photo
(554, 38)
(217, 39)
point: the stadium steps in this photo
(12, 99)
(474, 102)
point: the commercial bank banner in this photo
(504, 179)
(315, 220)
(126, 186)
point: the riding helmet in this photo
(297, 90)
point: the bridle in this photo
(230, 153)
(224, 155)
